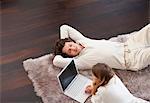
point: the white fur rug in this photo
(43, 75)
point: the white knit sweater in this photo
(115, 92)
(95, 51)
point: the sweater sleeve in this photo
(69, 32)
(60, 61)
(98, 97)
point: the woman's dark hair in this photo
(102, 71)
(59, 46)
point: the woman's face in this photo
(72, 49)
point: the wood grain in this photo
(31, 27)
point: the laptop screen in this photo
(68, 75)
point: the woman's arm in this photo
(69, 32)
(60, 61)
(98, 97)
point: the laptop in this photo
(72, 83)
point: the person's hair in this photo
(60, 43)
(102, 72)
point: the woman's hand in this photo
(89, 89)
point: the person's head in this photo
(67, 48)
(102, 73)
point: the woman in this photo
(132, 54)
(108, 88)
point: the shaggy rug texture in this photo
(43, 75)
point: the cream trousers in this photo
(137, 49)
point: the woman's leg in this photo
(139, 46)
(143, 58)
(141, 38)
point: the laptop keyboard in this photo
(77, 87)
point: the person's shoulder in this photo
(101, 90)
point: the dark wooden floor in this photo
(29, 28)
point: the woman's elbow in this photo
(55, 62)
(64, 27)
